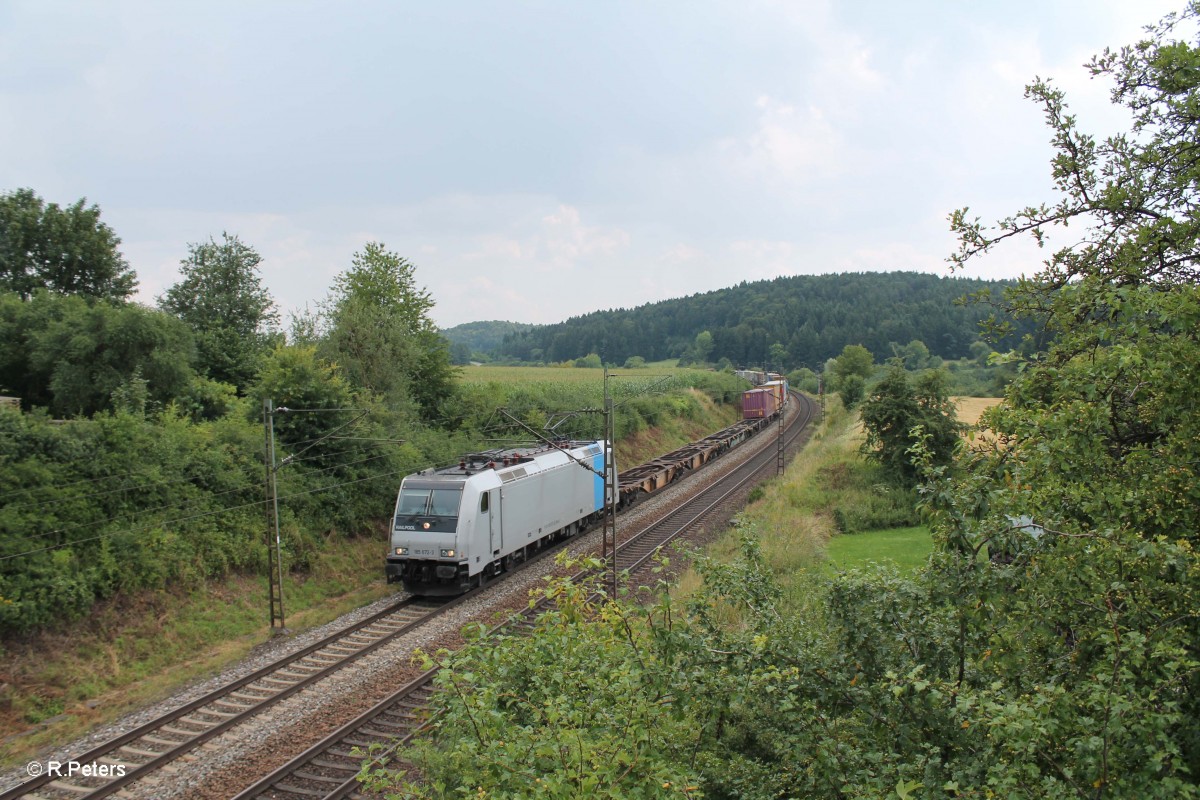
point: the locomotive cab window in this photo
(483, 502)
(444, 502)
(429, 503)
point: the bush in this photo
(885, 507)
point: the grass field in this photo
(907, 548)
(793, 517)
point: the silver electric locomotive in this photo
(455, 527)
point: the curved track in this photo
(329, 768)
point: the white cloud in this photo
(567, 241)
(788, 142)
(680, 253)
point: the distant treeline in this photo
(785, 323)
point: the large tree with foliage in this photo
(1114, 394)
(65, 250)
(902, 411)
(1092, 618)
(381, 334)
(72, 356)
(222, 299)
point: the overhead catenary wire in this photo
(121, 475)
(190, 501)
(71, 498)
(215, 512)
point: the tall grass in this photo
(828, 499)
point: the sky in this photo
(540, 160)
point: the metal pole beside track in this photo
(274, 550)
(609, 551)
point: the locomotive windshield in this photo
(416, 502)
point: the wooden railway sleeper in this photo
(137, 751)
(152, 739)
(63, 786)
(171, 729)
(209, 712)
(367, 730)
(312, 776)
(292, 789)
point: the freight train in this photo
(757, 377)
(457, 527)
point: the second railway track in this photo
(150, 746)
(328, 769)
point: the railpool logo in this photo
(69, 769)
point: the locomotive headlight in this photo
(401, 551)
(447, 553)
(425, 525)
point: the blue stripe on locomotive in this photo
(598, 482)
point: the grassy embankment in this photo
(136, 649)
(796, 517)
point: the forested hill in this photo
(809, 317)
(479, 337)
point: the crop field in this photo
(970, 409)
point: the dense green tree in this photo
(703, 345)
(1092, 614)
(380, 332)
(777, 356)
(65, 250)
(460, 354)
(804, 379)
(230, 312)
(590, 361)
(852, 388)
(915, 354)
(71, 356)
(600, 690)
(903, 411)
(849, 372)
(854, 360)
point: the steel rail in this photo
(281, 781)
(106, 750)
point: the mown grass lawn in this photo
(907, 548)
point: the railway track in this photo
(638, 551)
(149, 747)
(329, 768)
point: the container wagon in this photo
(759, 403)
